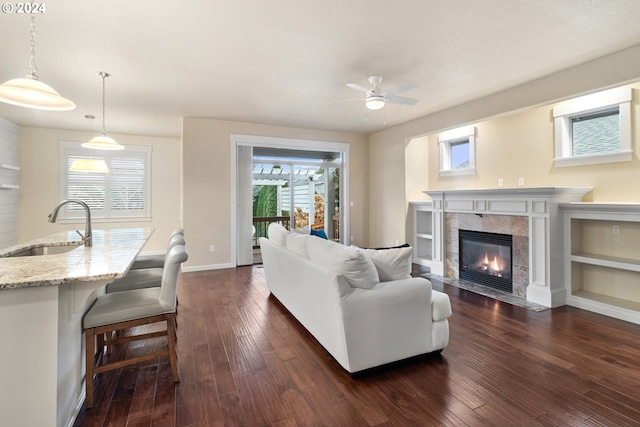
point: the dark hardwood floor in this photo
(244, 361)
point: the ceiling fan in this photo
(376, 98)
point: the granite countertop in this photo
(110, 257)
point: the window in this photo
(123, 193)
(457, 151)
(594, 128)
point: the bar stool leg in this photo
(90, 363)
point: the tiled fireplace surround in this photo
(516, 226)
(531, 215)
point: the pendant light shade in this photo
(89, 165)
(103, 142)
(30, 92)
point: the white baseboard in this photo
(206, 267)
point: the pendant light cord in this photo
(104, 76)
(32, 50)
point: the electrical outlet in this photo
(521, 182)
(500, 182)
(212, 248)
(616, 230)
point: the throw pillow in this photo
(296, 243)
(277, 233)
(319, 233)
(391, 263)
(302, 230)
(354, 265)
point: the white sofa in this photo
(363, 323)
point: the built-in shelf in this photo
(9, 186)
(606, 284)
(607, 261)
(423, 233)
(9, 167)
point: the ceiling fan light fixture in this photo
(30, 92)
(375, 102)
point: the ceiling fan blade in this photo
(400, 88)
(358, 88)
(400, 100)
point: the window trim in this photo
(65, 146)
(564, 112)
(447, 140)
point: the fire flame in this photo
(493, 265)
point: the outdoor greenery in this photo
(265, 200)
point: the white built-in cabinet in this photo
(602, 258)
(422, 232)
(9, 182)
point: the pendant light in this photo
(103, 142)
(30, 92)
(89, 165)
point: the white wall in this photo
(39, 192)
(9, 175)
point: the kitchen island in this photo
(42, 300)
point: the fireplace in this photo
(485, 259)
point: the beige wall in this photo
(39, 184)
(522, 145)
(207, 183)
(514, 139)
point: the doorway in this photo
(301, 188)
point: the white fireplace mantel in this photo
(540, 205)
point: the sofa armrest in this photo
(391, 321)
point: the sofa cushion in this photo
(296, 243)
(440, 306)
(354, 265)
(277, 234)
(391, 263)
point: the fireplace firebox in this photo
(485, 259)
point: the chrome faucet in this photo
(87, 228)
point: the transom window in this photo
(594, 129)
(122, 193)
(457, 151)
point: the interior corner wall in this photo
(39, 184)
(207, 183)
(388, 204)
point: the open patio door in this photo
(298, 183)
(244, 199)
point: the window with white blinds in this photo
(123, 192)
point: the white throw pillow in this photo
(302, 230)
(296, 243)
(354, 265)
(277, 233)
(392, 263)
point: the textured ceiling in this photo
(286, 62)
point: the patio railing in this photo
(261, 224)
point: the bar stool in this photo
(155, 261)
(117, 311)
(144, 277)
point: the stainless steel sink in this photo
(46, 250)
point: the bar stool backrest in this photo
(169, 286)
